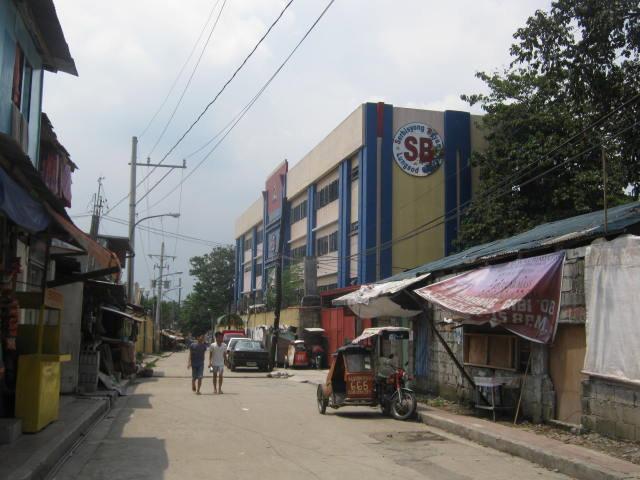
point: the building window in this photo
(247, 243)
(326, 288)
(353, 230)
(258, 269)
(247, 268)
(259, 237)
(299, 212)
(355, 172)
(298, 252)
(327, 244)
(22, 79)
(491, 350)
(328, 194)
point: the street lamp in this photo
(132, 241)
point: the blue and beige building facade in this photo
(380, 194)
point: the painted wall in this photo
(416, 200)
(12, 30)
(70, 335)
(289, 317)
(342, 142)
(250, 217)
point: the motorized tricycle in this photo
(357, 378)
(297, 355)
(315, 340)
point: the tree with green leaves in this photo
(553, 113)
(291, 286)
(212, 292)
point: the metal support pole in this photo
(604, 184)
(159, 299)
(132, 218)
(278, 280)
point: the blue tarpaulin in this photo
(20, 207)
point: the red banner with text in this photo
(523, 296)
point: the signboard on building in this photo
(274, 192)
(418, 149)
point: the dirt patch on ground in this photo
(629, 451)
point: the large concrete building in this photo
(368, 201)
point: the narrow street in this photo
(268, 428)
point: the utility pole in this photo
(179, 300)
(132, 206)
(132, 216)
(159, 283)
(278, 280)
(98, 205)
(604, 185)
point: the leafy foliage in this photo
(291, 286)
(213, 291)
(570, 67)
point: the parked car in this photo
(249, 353)
(232, 345)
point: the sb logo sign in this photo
(418, 149)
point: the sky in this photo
(409, 53)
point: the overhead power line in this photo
(231, 125)
(188, 84)
(184, 65)
(233, 75)
(212, 101)
(158, 231)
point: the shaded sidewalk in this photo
(32, 456)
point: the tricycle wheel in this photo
(405, 407)
(322, 402)
(385, 409)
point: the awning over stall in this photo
(20, 207)
(402, 332)
(122, 314)
(521, 296)
(104, 258)
(375, 299)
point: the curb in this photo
(47, 456)
(555, 461)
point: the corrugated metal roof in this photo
(572, 231)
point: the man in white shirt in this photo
(217, 356)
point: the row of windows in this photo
(327, 244)
(299, 212)
(247, 241)
(328, 194)
(299, 252)
(326, 288)
(247, 268)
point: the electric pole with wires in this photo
(133, 201)
(99, 203)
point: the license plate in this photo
(251, 364)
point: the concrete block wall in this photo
(572, 300)
(611, 409)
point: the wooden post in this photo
(452, 355)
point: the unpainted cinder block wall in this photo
(611, 409)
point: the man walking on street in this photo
(196, 362)
(217, 356)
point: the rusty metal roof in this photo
(568, 233)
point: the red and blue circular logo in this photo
(418, 149)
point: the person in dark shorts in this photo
(196, 362)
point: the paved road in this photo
(269, 429)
